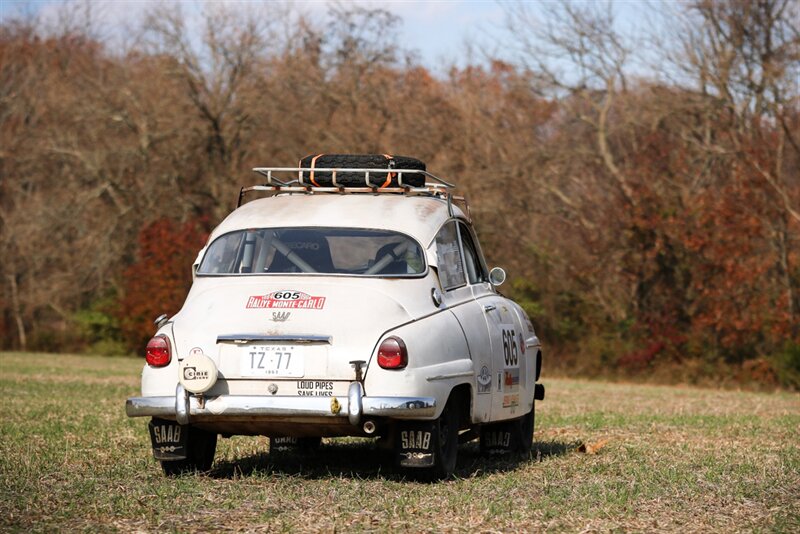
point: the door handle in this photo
(489, 307)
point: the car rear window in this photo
(313, 250)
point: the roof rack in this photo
(281, 180)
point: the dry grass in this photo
(656, 458)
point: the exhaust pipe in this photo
(369, 427)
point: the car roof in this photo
(419, 216)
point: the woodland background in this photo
(644, 196)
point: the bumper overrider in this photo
(186, 408)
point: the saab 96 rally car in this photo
(352, 300)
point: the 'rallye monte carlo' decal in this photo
(286, 299)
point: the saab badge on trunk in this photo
(280, 317)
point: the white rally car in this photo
(324, 311)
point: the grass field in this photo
(606, 457)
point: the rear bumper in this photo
(185, 408)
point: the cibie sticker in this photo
(286, 299)
(198, 373)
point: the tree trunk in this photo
(15, 310)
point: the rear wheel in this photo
(443, 449)
(525, 429)
(508, 436)
(200, 449)
(446, 450)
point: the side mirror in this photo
(497, 276)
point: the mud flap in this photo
(282, 443)
(169, 439)
(507, 436)
(415, 444)
(291, 444)
(498, 438)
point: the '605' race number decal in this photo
(510, 348)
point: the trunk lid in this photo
(287, 327)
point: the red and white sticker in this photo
(294, 300)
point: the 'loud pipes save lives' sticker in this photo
(293, 300)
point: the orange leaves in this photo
(701, 261)
(592, 448)
(160, 278)
(733, 280)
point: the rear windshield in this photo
(313, 250)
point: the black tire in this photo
(515, 436)
(524, 442)
(309, 444)
(201, 447)
(361, 161)
(445, 453)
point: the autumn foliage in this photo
(649, 224)
(158, 280)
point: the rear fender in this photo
(161, 381)
(438, 361)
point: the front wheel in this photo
(200, 449)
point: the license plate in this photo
(272, 361)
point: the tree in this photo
(158, 281)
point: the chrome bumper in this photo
(185, 408)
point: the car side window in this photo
(448, 255)
(475, 272)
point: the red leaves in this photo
(160, 278)
(642, 358)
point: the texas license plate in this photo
(279, 361)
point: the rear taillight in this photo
(392, 353)
(158, 352)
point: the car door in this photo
(506, 356)
(458, 286)
(491, 327)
